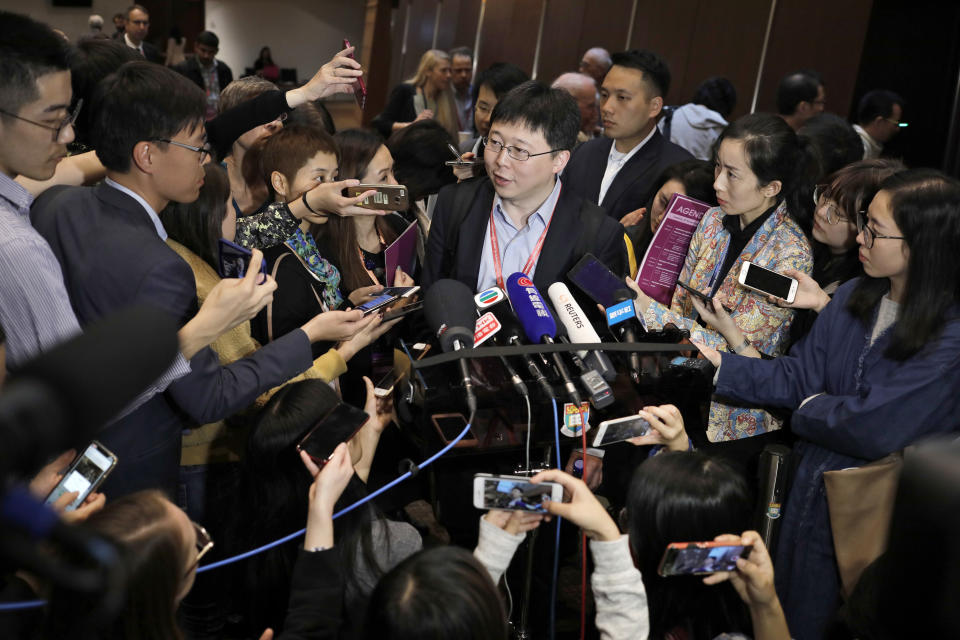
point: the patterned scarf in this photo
(305, 247)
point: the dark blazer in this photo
(112, 258)
(399, 109)
(559, 252)
(634, 185)
(153, 54)
(191, 69)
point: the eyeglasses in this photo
(204, 544)
(518, 154)
(205, 151)
(830, 211)
(897, 122)
(66, 122)
(869, 235)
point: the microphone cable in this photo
(34, 604)
(583, 536)
(556, 544)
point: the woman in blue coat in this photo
(879, 370)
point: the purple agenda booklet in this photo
(663, 261)
(402, 252)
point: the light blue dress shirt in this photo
(516, 245)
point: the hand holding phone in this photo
(767, 282)
(583, 509)
(235, 260)
(84, 475)
(387, 197)
(753, 577)
(339, 425)
(621, 429)
(513, 493)
(359, 88)
(698, 558)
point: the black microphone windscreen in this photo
(88, 380)
(449, 309)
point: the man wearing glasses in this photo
(879, 116)
(520, 217)
(147, 126)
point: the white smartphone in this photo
(767, 282)
(621, 429)
(85, 474)
(513, 493)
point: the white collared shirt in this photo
(616, 161)
(154, 218)
(139, 47)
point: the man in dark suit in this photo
(148, 130)
(520, 217)
(206, 71)
(620, 171)
(135, 33)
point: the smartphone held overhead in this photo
(359, 88)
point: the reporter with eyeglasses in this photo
(878, 371)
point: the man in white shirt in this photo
(878, 120)
(620, 171)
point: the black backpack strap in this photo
(463, 196)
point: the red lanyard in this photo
(532, 260)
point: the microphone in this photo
(62, 397)
(538, 323)
(619, 318)
(579, 330)
(449, 313)
(497, 316)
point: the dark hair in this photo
(834, 141)
(500, 77)
(442, 593)
(135, 7)
(118, 15)
(176, 34)
(420, 152)
(852, 188)
(716, 93)
(141, 101)
(286, 151)
(91, 61)
(797, 87)
(208, 39)
(153, 556)
(697, 179)
(775, 152)
(877, 103)
(275, 487)
(357, 149)
(678, 497)
(312, 114)
(926, 208)
(198, 225)
(552, 112)
(260, 62)
(656, 73)
(460, 51)
(28, 50)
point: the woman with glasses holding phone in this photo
(878, 371)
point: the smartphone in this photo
(385, 386)
(388, 197)
(235, 259)
(596, 280)
(767, 282)
(697, 558)
(513, 493)
(703, 297)
(339, 425)
(450, 425)
(381, 301)
(459, 162)
(359, 88)
(621, 429)
(85, 474)
(403, 311)
(400, 292)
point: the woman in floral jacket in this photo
(763, 184)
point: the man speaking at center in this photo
(519, 217)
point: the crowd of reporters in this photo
(861, 364)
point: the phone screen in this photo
(397, 291)
(372, 305)
(701, 558)
(82, 476)
(620, 431)
(693, 292)
(596, 280)
(338, 426)
(768, 281)
(235, 259)
(516, 495)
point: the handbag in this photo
(860, 501)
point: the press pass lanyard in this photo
(534, 256)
